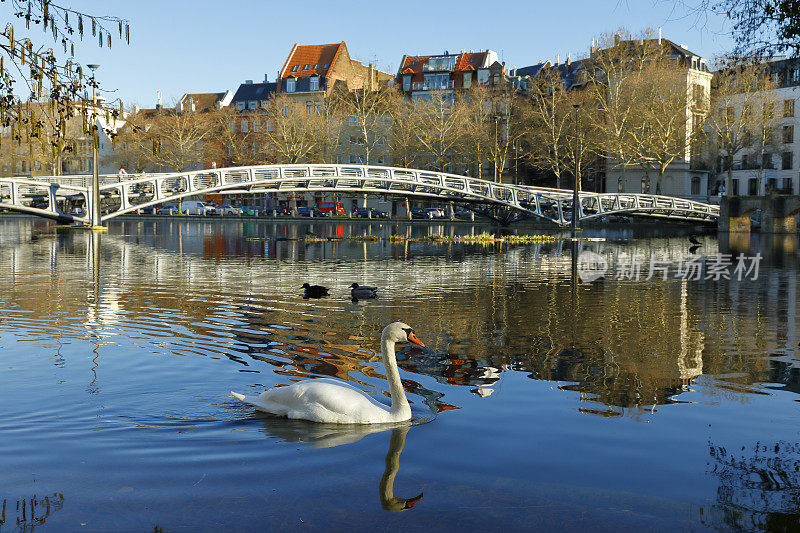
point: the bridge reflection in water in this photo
(624, 347)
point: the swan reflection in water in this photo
(330, 435)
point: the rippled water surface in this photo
(540, 401)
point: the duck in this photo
(314, 291)
(332, 401)
(693, 240)
(363, 292)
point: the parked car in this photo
(337, 208)
(308, 212)
(434, 212)
(167, 209)
(418, 212)
(278, 211)
(227, 210)
(193, 207)
(369, 212)
(248, 211)
(149, 210)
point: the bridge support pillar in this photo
(364, 201)
(452, 208)
(408, 208)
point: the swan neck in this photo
(400, 405)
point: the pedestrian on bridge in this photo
(122, 174)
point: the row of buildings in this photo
(311, 73)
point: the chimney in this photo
(558, 59)
(266, 78)
(158, 99)
(135, 109)
(191, 105)
(659, 35)
(568, 59)
(248, 82)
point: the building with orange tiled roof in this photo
(420, 74)
(311, 72)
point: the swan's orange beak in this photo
(413, 338)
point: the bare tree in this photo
(404, 144)
(663, 131)
(612, 72)
(366, 118)
(546, 122)
(294, 135)
(476, 147)
(742, 111)
(438, 126)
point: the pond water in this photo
(543, 400)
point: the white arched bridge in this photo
(52, 197)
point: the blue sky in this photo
(180, 46)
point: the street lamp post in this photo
(576, 181)
(95, 212)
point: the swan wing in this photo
(321, 401)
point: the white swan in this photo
(337, 402)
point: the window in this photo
(788, 134)
(406, 83)
(252, 104)
(786, 160)
(316, 66)
(309, 107)
(766, 161)
(796, 75)
(231, 126)
(699, 95)
(788, 186)
(326, 65)
(467, 80)
(314, 81)
(788, 108)
(442, 63)
(436, 81)
(257, 125)
(318, 108)
(483, 76)
(294, 68)
(306, 66)
(745, 161)
(290, 85)
(240, 106)
(695, 185)
(270, 126)
(244, 126)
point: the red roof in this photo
(464, 61)
(310, 60)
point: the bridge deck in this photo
(41, 196)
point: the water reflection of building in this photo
(619, 344)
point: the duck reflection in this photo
(330, 435)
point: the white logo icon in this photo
(591, 266)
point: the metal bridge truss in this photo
(49, 197)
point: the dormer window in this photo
(316, 66)
(240, 106)
(290, 85)
(326, 65)
(314, 83)
(294, 68)
(306, 66)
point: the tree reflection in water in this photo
(30, 512)
(759, 487)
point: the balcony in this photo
(425, 86)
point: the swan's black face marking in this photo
(354, 286)
(411, 337)
(305, 286)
